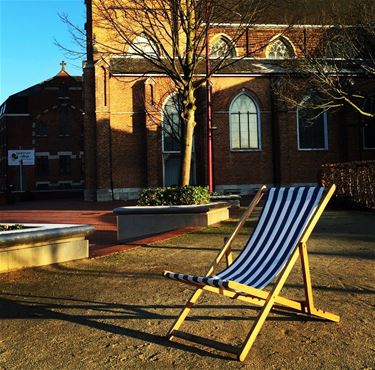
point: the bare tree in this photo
(173, 36)
(340, 68)
(78, 37)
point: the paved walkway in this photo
(102, 242)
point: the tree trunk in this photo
(188, 122)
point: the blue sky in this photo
(28, 29)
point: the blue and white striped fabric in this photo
(284, 218)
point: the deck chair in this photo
(285, 223)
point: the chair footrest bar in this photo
(325, 315)
(205, 342)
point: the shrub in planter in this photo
(186, 195)
(5, 227)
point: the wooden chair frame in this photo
(267, 300)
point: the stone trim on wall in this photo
(105, 195)
(246, 189)
(126, 193)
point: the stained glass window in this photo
(222, 48)
(280, 49)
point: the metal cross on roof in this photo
(63, 64)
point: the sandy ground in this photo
(113, 312)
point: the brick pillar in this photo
(89, 131)
(103, 153)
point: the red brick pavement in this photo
(102, 241)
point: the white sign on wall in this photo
(26, 156)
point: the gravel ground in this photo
(113, 312)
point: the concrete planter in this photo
(41, 244)
(139, 221)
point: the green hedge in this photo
(355, 182)
(186, 195)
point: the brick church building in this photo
(255, 138)
(45, 121)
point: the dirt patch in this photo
(113, 312)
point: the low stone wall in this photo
(42, 244)
(138, 222)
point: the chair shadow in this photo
(29, 306)
(17, 306)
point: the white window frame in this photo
(325, 123)
(259, 148)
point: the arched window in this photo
(142, 46)
(222, 47)
(244, 123)
(280, 49)
(171, 132)
(312, 125)
(171, 125)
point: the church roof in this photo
(18, 102)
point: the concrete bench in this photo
(140, 221)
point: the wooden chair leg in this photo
(310, 307)
(185, 311)
(306, 277)
(273, 294)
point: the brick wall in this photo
(135, 140)
(128, 138)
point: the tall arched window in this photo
(312, 125)
(142, 46)
(280, 49)
(222, 47)
(244, 123)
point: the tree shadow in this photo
(356, 254)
